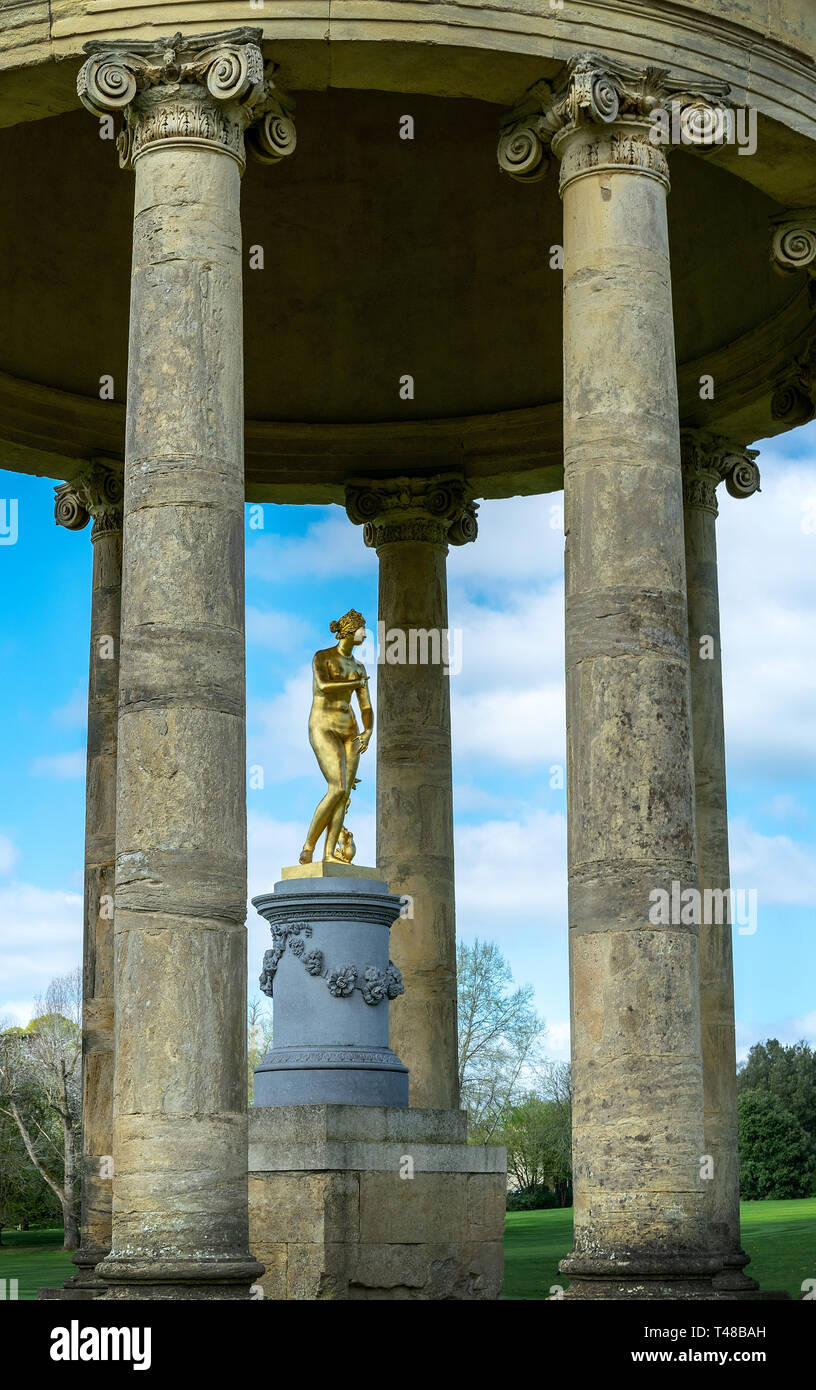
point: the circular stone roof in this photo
(385, 257)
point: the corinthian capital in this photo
(96, 492)
(439, 510)
(710, 459)
(648, 107)
(793, 245)
(205, 91)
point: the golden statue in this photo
(334, 735)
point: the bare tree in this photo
(40, 1081)
(499, 1037)
(259, 1038)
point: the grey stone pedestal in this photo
(374, 1202)
(331, 978)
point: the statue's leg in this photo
(331, 757)
(351, 757)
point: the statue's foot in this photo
(306, 855)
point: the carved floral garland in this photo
(375, 985)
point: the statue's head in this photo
(352, 624)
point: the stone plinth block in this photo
(374, 1202)
(332, 981)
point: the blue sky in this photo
(308, 565)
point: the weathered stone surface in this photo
(427, 1207)
(638, 1103)
(180, 1225)
(414, 787)
(438, 1271)
(358, 1229)
(702, 464)
(97, 493)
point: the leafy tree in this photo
(537, 1135)
(499, 1038)
(40, 1090)
(25, 1199)
(789, 1073)
(526, 1136)
(558, 1093)
(776, 1158)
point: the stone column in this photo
(634, 962)
(706, 461)
(180, 1130)
(97, 494)
(410, 522)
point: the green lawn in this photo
(35, 1259)
(780, 1237)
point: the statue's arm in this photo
(366, 711)
(326, 686)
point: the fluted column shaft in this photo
(180, 1223)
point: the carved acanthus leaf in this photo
(598, 91)
(439, 509)
(207, 89)
(96, 492)
(710, 459)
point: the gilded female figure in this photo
(334, 735)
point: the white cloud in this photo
(521, 542)
(16, 1013)
(766, 566)
(42, 937)
(278, 738)
(557, 1041)
(330, 546)
(63, 766)
(785, 806)
(782, 870)
(74, 714)
(511, 873)
(279, 630)
(507, 704)
(521, 727)
(786, 1031)
(9, 854)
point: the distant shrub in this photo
(539, 1199)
